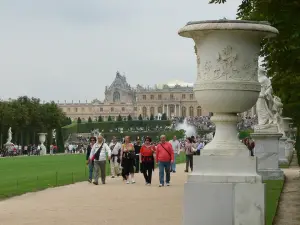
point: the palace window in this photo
(116, 96)
(144, 112)
(159, 97)
(199, 111)
(144, 97)
(135, 108)
(183, 96)
(159, 109)
(112, 109)
(171, 96)
(191, 96)
(76, 110)
(191, 111)
(152, 97)
(183, 111)
(152, 111)
(101, 109)
(123, 109)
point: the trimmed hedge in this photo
(245, 133)
(106, 126)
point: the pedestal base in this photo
(43, 150)
(283, 160)
(224, 191)
(267, 152)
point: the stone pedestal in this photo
(224, 190)
(289, 149)
(267, 152)
(283, 160)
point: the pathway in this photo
(114, 203)
(289, 206)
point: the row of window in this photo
(82, 110)
(159, 97)
(172, 111)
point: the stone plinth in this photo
(224, 190)
(283, 160)
(289, 149)
(267, 152)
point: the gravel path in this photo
(289, 206)
(114, 203)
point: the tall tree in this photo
(129, 118)
(78, 120)
(109, 118)
(119, 118)
(90, 120)
(151, 117)
(100, 119)
(164, 116)
(140, 117)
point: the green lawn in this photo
(20, 175)
(27, 174)
(273, 191)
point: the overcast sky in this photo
(70, 49)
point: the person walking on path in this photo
(147, 160)
(90, 163)
(189, 154)
(164, 158)
(115, 148)
(176, 148)
(127, 160)
(98, 156)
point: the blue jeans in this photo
(174, 163)
(164, 167)
(91, 168)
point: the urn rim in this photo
(194, 28)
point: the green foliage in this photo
(78, 120)
(129, 118)
(140, 117)
(151, 117)
(100, 119)
(245, 133)
(164, 116)
(109, 118)
(90, 120)
(119, 118)
(27, 117)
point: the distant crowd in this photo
(31, 149)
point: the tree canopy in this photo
(27, 117)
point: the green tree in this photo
(100, 119)
(164, 116)
(119, 118)
(109, 118)
(140, 117)
(129, 118)
(90, 120)
(78, 120)
(151, 117)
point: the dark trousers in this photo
(189, 162)
(99, 166)
(147, 171)
(137, 164)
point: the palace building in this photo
(176, 99)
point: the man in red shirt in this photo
(164, 158)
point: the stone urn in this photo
(227, 75)
(286, 125)
(42, 139)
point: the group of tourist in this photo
(128, 158)
(201, 122)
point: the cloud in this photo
(71, 49)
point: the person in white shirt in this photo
(176, 149)
(115, 148)
(70, 147)
(98, 155)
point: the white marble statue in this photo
(54, 133)
(264, 104)
(277, 110)
(9, 137)
(159, 115)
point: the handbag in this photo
(97, 154)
